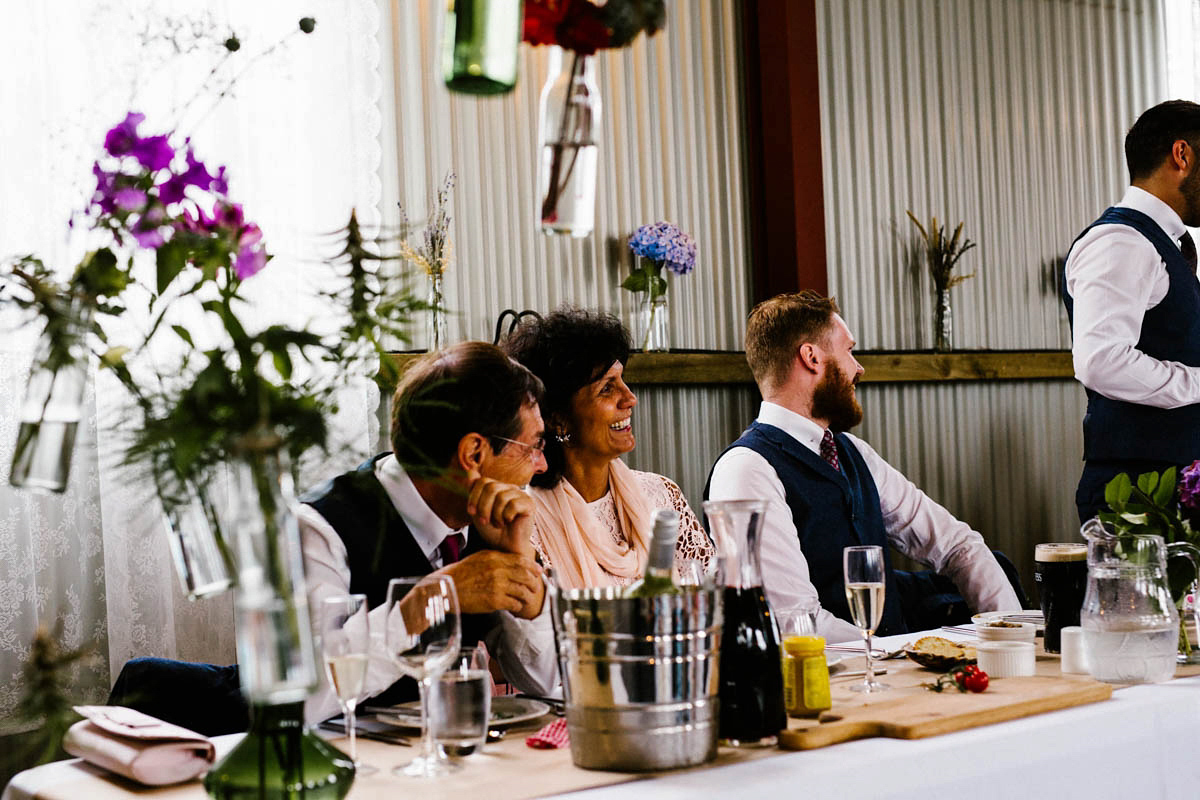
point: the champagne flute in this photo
(423, 636)
(864, 574)
(345, 647)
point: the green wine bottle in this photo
(479, 45)
(280, 759)
(660, 565)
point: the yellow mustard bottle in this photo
(805, 676)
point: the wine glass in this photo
(345, 647)
(423, 636)
(864, 573)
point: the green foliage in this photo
(1150, 506)
(45, 701)
(646, 277)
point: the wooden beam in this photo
(785, 189)
(730, 368)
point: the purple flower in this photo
(105, 186)
(148, 231)
(663, 243)
(153, 152)
(129, 198)
(121, 138)
(1189, 490)
(249, 261)
(172, 190)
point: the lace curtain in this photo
(300, 136)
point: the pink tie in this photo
(450, 547)
(829, 451)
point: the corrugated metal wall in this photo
(1008, 115)
(670, 149)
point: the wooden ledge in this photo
(690, 368)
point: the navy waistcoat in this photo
(380, 547)
(1117, 430)
(831, 510)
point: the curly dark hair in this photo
(568, 349)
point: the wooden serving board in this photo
(915, 712)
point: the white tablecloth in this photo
(1141, 744)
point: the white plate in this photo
(506, 710)
(1033, 615)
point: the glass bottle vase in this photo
(568, 135)
(203, 559)
(653, 323)
(435, 321)
(943, 324)
(280, 759)
(52, 408)
(479, 45)
(276, 659)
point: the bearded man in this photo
(1131, 293)
(826, 489)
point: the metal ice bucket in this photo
(639, 676)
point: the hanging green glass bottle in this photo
(479, 45)
(281, 759)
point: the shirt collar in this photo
(798, 426)
(426, 527)
(1155, 209)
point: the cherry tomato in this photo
(977, 681)
(960, 677)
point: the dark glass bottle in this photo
(479, 47)
(751, 678)
(751, 690)
(281, 759)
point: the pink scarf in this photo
(582, 552)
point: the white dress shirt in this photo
(915, 525)
(1115, 276)
(525, 647)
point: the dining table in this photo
(1139, 743)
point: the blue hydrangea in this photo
(664, 243)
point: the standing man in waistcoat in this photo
(826, 489)
(1132, 296)
(466, 438)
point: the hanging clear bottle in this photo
(659, 577)
(568, 132)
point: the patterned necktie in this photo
(450, 548)
(1188, 248)
(829, 451)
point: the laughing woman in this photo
(594, 514)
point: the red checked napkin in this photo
(552, 736)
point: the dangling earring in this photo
(562, 437)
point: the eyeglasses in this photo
(534, 449)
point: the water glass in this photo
(799, 620)
(461, 704)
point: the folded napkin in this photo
(138, 746)
(550, 737)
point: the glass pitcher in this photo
(1130, 623)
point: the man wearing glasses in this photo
(467, 436)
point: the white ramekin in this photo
(1005, 659)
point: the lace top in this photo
(693, 543)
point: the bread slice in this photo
(937, 653)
